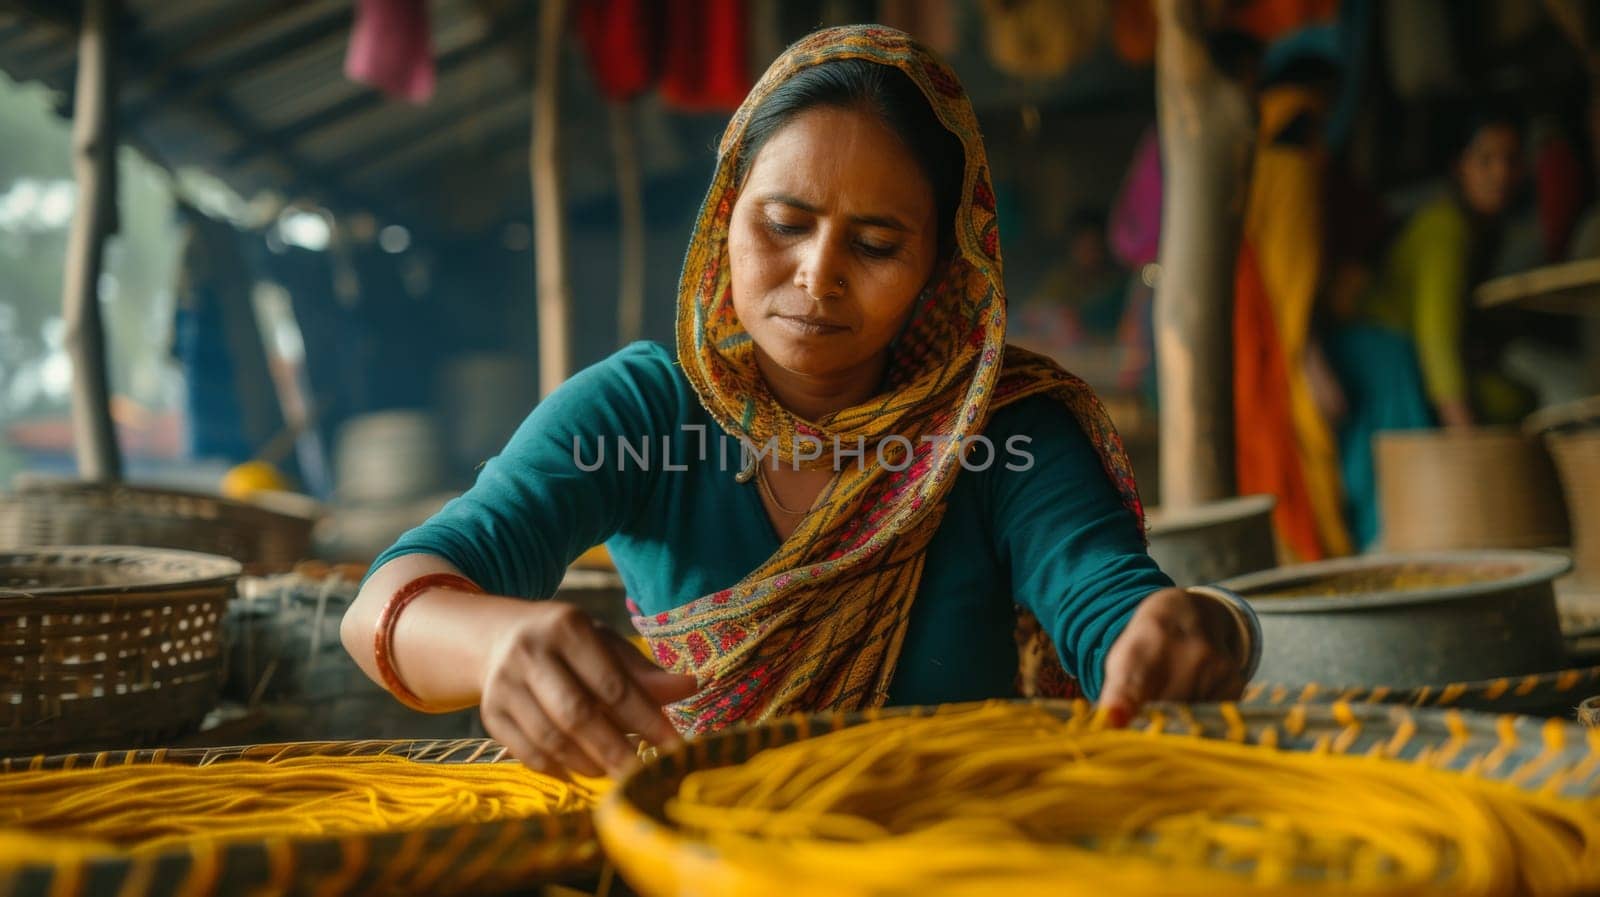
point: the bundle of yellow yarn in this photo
(62, 816)
(1010, 799)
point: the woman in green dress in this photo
(835, 493)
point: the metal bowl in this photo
(1214, 541)
(1408, 620)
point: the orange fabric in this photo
(1286, 446)
(1267, 454)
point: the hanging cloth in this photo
(707, 50)
(620, 37)
(391, 49)
(1284, 445)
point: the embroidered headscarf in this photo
(820, 624)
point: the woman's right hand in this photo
(560, 690)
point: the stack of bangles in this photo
(383, 645)
(1244, 616)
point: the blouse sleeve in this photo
(534, 507)
(1440, 306)
(1076, 555)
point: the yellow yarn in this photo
(1012, 800)
(68, 815)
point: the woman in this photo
(843, 282)
(1419, 353)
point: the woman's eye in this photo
(878, 250)
(784, 230)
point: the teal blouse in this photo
(1039, 525)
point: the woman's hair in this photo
(887, 93)
(1480, 116)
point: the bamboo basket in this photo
(1577, 457)
(49, 512)
(659, 859)
(108, 645)
(478, 858)
(1483, 488)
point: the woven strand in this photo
(383, 644)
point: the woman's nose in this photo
(821, 269)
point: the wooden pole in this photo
(1207, 129)
(549, 220)
(94, 146)
(630, 201)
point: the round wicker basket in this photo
(439, 861)
(69, 512)
(108, 646)
(659, 858)
(1482, 488)
(1577, 457)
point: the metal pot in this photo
(1350, 622)
(1214, 541)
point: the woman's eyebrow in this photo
(885, 221)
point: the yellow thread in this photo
(1567, 680)
(1028, 803)
(1526, 686)
(1450, 693)
(70, 816)
(1496, 688)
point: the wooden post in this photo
(549, 219)
(1207, 129)
(630, 202)
(94, 151)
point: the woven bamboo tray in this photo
(108, 645)
(55, 512)
(1483, 488)
(659, 859)
(1577, 457)
(1556, 693)
(483, 858)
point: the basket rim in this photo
(33, 488)
(208, 570)
(1536, 567)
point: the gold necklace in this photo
(766, 489)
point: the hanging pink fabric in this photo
(622, 38)
(707, 43)
(1135, 232)
(391, 48)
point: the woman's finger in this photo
(651, 687)
(502, 726)
(578, 715)
(1136, 672)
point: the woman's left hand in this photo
(1178, 647)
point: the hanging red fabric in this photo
(622, 38)
(705, 67)
(391, 48)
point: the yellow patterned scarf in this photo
(819, 625)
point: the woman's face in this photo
(1489, 168)
(833, 237)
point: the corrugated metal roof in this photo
(254, 92)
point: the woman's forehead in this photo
(830, 156)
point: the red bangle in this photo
(383, 646)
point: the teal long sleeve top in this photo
(1050, 534)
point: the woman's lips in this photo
(807, 325)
